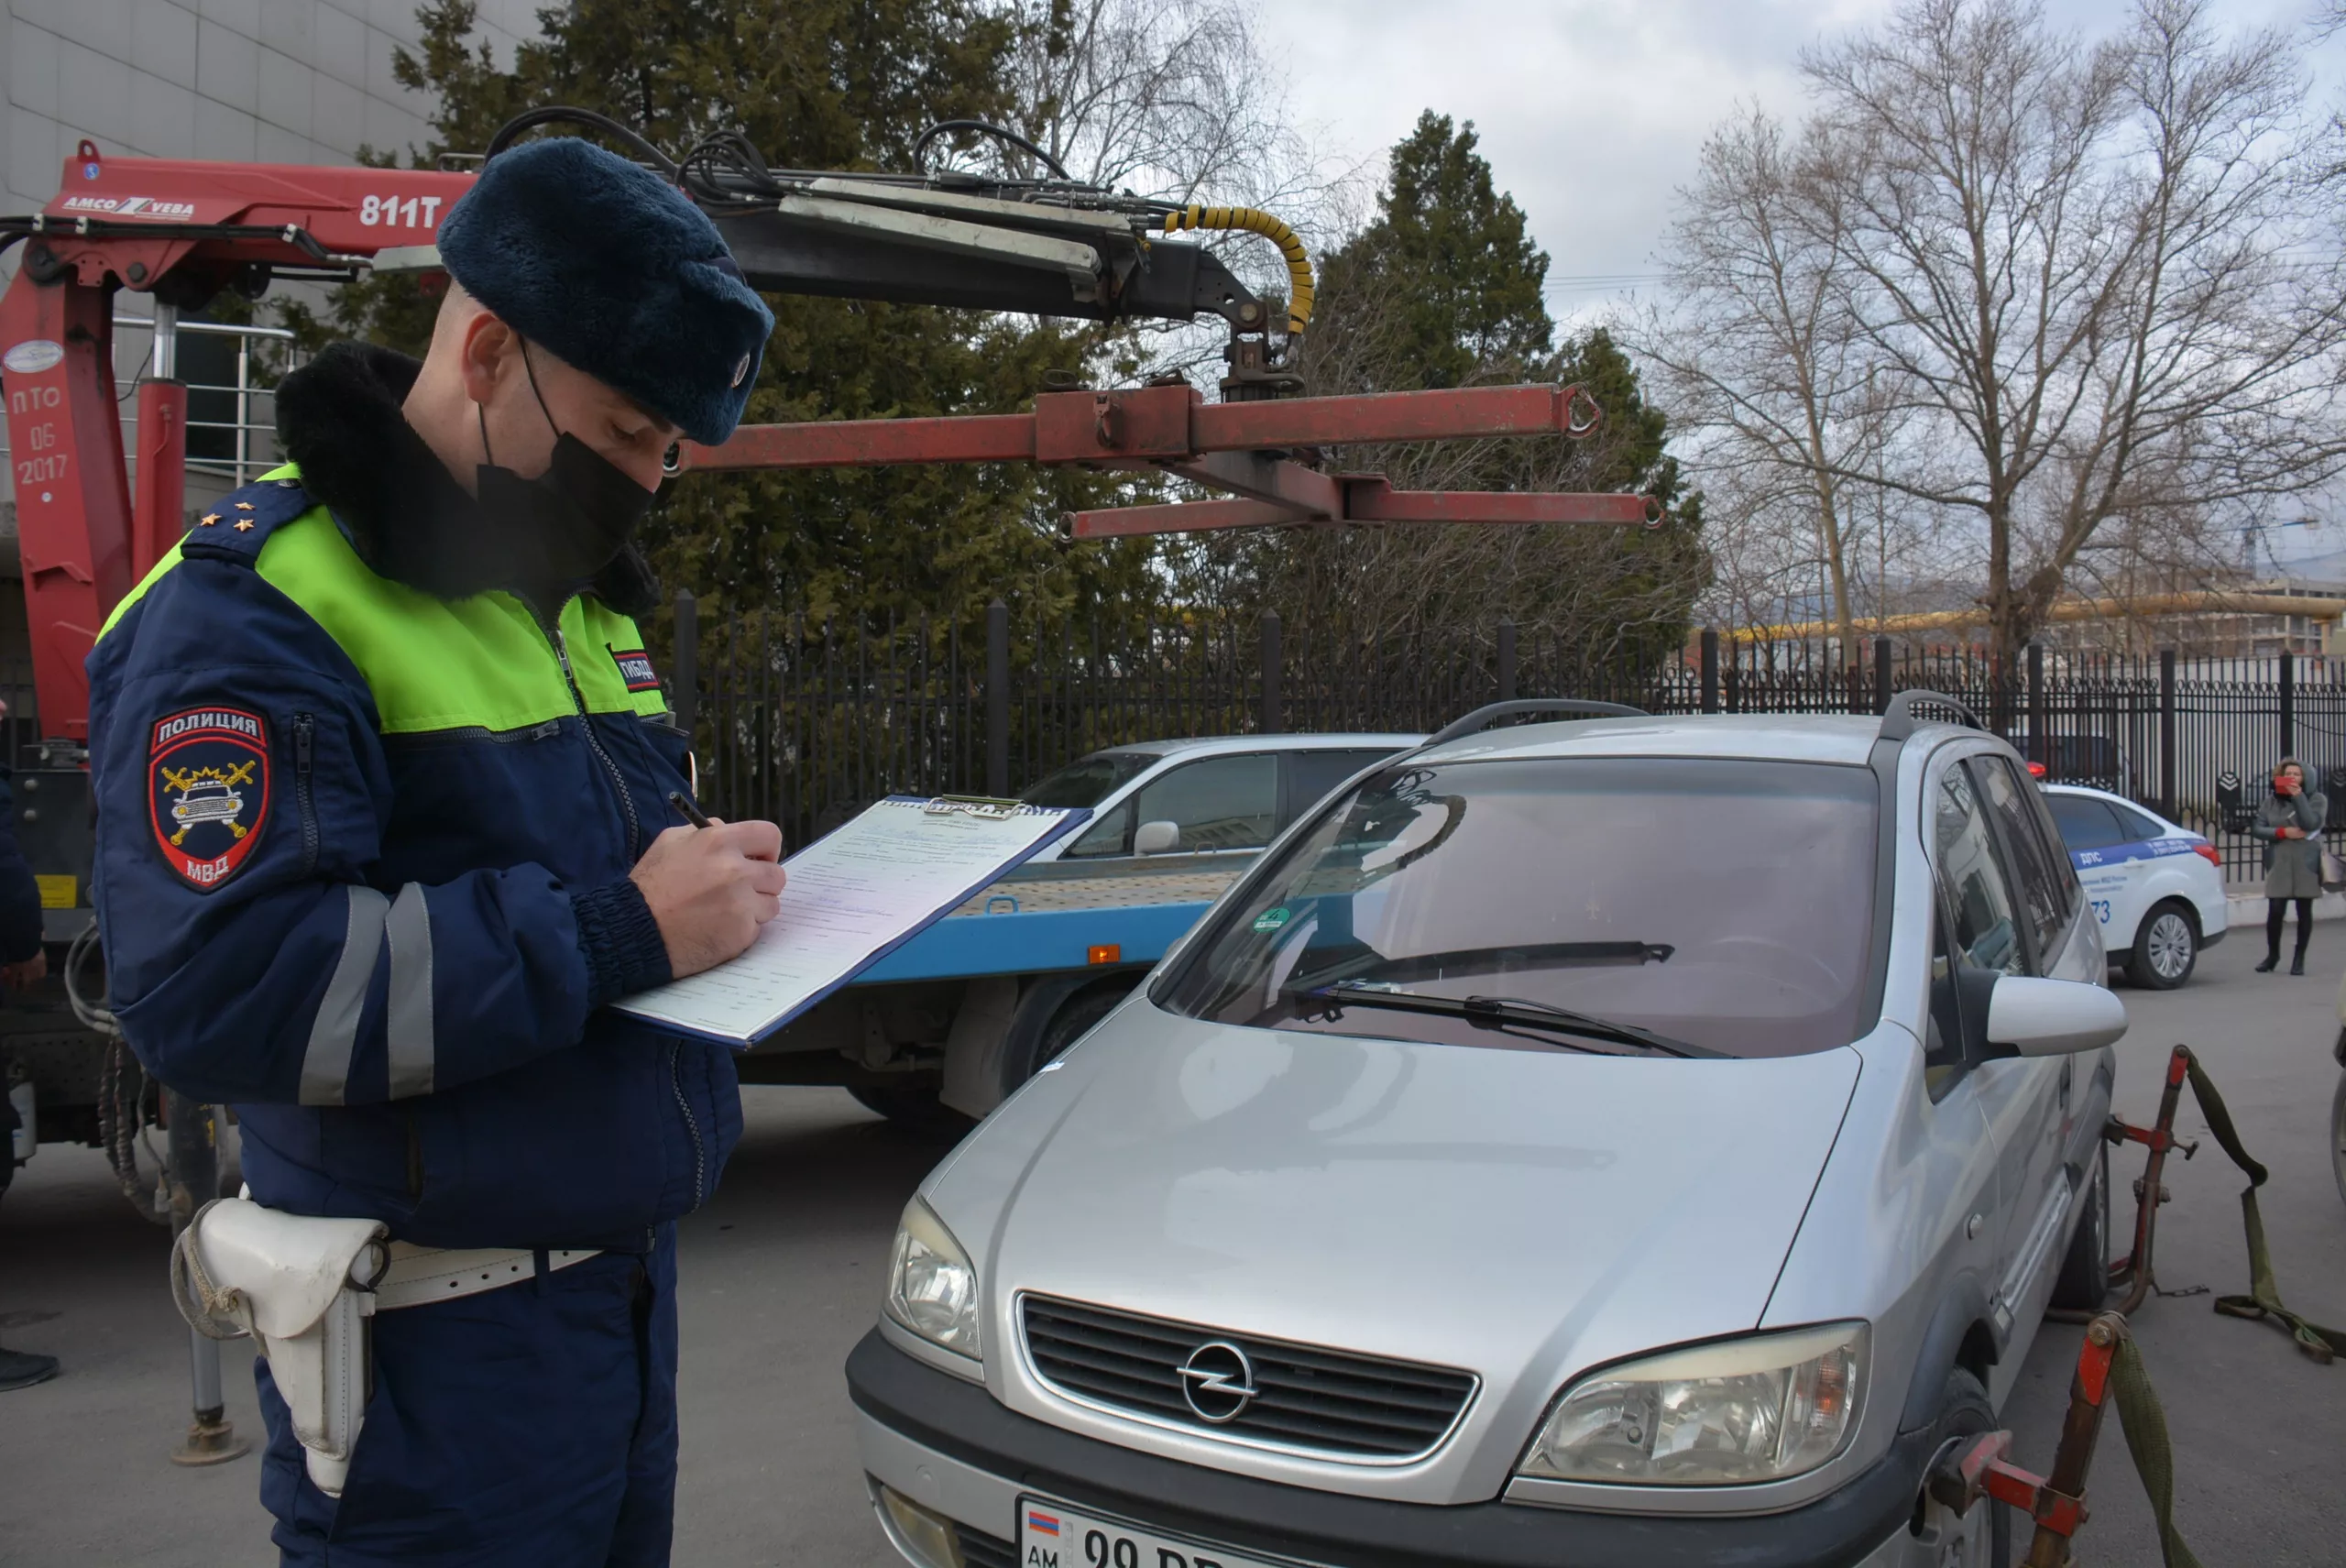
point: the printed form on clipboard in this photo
(854, 895)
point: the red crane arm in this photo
(182, 230)
(108, 217)
(1225, 446)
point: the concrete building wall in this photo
(272, 81)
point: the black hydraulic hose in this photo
(701, 169)
(562, 114)
(987, 128)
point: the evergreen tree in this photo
(1446, 288)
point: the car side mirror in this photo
(1157, 839)
(2031, 1017)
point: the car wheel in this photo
(913, 1107)
(1074, 1020)
(2085, 1272)
(2166, 948)
(1982, 1536)
(2337, 1138)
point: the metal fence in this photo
(806, 721)
(231, 416)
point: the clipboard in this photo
(854, 897)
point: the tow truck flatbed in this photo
(1064, 917)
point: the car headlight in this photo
(932, 1289)
(1754, 1409)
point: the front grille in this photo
(980, 1551)
(1323, 1401)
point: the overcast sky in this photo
(1590, 111)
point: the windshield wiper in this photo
(1521, 1012)
(1603, 1028)
(1361, 961)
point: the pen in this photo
(684, 803)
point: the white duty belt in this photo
(304, 1288)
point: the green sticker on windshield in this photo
(1271, 919)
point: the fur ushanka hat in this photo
(613, 269)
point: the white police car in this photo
(2158, 888)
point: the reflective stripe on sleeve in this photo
(410, 998)
(334, 1033)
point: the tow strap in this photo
(2143, 1420)
(2264, 1297)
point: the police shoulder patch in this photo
(635, 669)
(207, 791)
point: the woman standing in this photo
(2290, 824)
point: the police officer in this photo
(382, 774)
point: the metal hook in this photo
(1576, 397)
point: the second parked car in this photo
(2156, 887)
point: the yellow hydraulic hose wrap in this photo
(1254, 220)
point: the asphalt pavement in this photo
(782, 1275)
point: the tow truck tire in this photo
(2166, 948)
(913, 1107)
(2084, 1281)
(1964, 1411)
(1074, 1020)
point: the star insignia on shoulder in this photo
(244, 525)
(243, 506)
(210, 518)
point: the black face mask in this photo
(564, 527)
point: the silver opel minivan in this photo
(1634, 1141)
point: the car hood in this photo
(1517, 1213)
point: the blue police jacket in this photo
(364, 844)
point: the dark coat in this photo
(2292, 866)
(364, 838)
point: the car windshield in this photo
(1088, 781)
(1725, 904)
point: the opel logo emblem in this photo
(1218, 1381)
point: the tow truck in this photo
(185, 232)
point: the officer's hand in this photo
(16, 977)
(710, 889)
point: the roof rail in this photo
(1482, 718)
(1900, 720)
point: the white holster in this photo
(306, 1288)
(300, 1286)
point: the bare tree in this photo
(1166, 97)
(1763, 362)
(2105, 279)
(1176, 100)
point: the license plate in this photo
(1050, 1536)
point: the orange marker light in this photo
(1104, 953)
